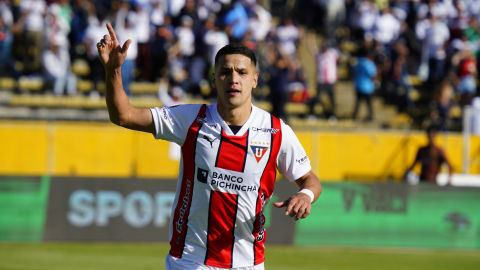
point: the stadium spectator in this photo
(386, 28)
(289, 35)
(364, 73)
(326, 74)
(6, 13)
(236, 20)
(157, 14)
(126, 29)
(466, 74)
(431, 157)
(162, 42)
(214, 39)
(334, 16)
(6, 41)
(56, 63)
(186, 37)
(140, 19)
(435, 35)
(34, 11)
(278, 70)
(93, 32)
(260, 24)
(365, 15)
(173, 9)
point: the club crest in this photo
(258, 151)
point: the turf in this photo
(119, 256)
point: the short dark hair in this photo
(236, 48)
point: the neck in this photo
(235, 116)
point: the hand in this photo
(110, 52)
(298, 206)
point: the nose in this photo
(234, 77)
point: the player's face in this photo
(235, 77)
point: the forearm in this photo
(312, 183)
(117, 101)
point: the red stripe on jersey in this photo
(221, 228)
(232, 152)
(184, 202)
(265, 191)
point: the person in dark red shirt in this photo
(432, 157)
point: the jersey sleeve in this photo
(292, 160)
(172, 123)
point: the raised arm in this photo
(120, 110)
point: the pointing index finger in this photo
(111, 32)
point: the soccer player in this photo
(230, 153)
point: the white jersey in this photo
(225, 180)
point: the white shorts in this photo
(173, 263)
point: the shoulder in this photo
(182, 111)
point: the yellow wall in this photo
(105, 150)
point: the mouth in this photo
(233, 91)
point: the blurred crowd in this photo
(436, 41)
(175, 41)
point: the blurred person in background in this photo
(326, 74)
(173, 8)
(288, 35)
(6, 13)
(465, 76)
(157, 14)
(140, 20)
(278, 70)
(93, 33)
(364, 73)
(386, 29)
(35, 11)
(186, 37)
(214, 39)
(236, 21)
(163, 40)
(6, 41)
(431, 157)
(334, 17)
(126, 29)
(56, 63)
(364, 20)
(435, 35)
(260, 23)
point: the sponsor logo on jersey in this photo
(259, 150)
(302, 160)
(164, 113)
(181, 220)
(261, 233)
(266, 130)
(210, 140)
(229, 181)
(202, 120)
(202, 175)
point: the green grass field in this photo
(140, 256)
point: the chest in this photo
(242, 156)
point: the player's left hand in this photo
(298, 206)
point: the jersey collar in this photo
(216, 116)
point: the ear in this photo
(255, 80)
(213, 80)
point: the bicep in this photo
(141, 120)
